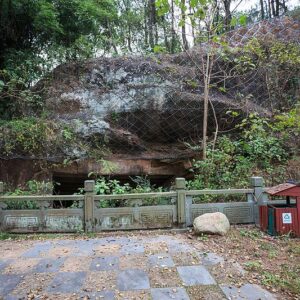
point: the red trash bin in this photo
(279, 219)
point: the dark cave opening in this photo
(69, 184)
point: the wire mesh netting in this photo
(154, 104)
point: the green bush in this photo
(258, 150)
(106, 186)
(33, 136)
(33, 187)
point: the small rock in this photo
(213, 223)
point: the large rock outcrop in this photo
(145, 114)
(146, 107)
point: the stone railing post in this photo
(89, 204)
(260, 197)
(181, 201)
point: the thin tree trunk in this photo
(205, 105)
(269, 9)
(277, 8)
(262, 9)
(152, 19)
(193, 27)
(173, 34)
(167, 44)
(285, 9)
(146, 37)
(129, 39)
(183, 29)
(273, 8)
(228, 16)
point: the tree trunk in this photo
(285, 9)
(164, 23)
(183, 29)
(269, 9)
(228, 17)
(262, 9)
(173, 34)
(277, 8)
(152, 21)
(146, 32)
(206, 69)
(273, 8)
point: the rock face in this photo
(213, 223)
(138, 105)
(144, 114)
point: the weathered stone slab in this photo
(104, 295)
(210, 259)
(14, 297)
(8, 283)
(82, 248)
(132, 279)
(107, 263)
(195, 275)
(115, 240)
(132, 248)
(49, 265)
(169, 293)
(247, 292)
(158, 238)
(4, 264)
(37, 250)
(161, 260)
(67, 282)
(176, 246)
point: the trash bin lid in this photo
(285, 189)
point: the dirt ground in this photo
(247, 256)
(273, 263)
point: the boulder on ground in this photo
(213, 223)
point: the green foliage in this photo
(253, 266)
(280, 63)
(37, 25)
(288, 279)
(33, 187)
(257, 151)
(4, 236)
(32, 136)
(105, 186)
(110, 186)
(252, 234)
(36, 35)
(159, 49)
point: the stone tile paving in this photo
(159, 268)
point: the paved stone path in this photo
(158, 268)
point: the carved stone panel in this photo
(157, 219)
(15, 222)
(236, 212)
(64, 223)
(239, 214)
(196, 212)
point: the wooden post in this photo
(260, 197)
(1, 187)
(181, 208)
(89, 186)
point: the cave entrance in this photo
(69, 184)
(155, 180)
